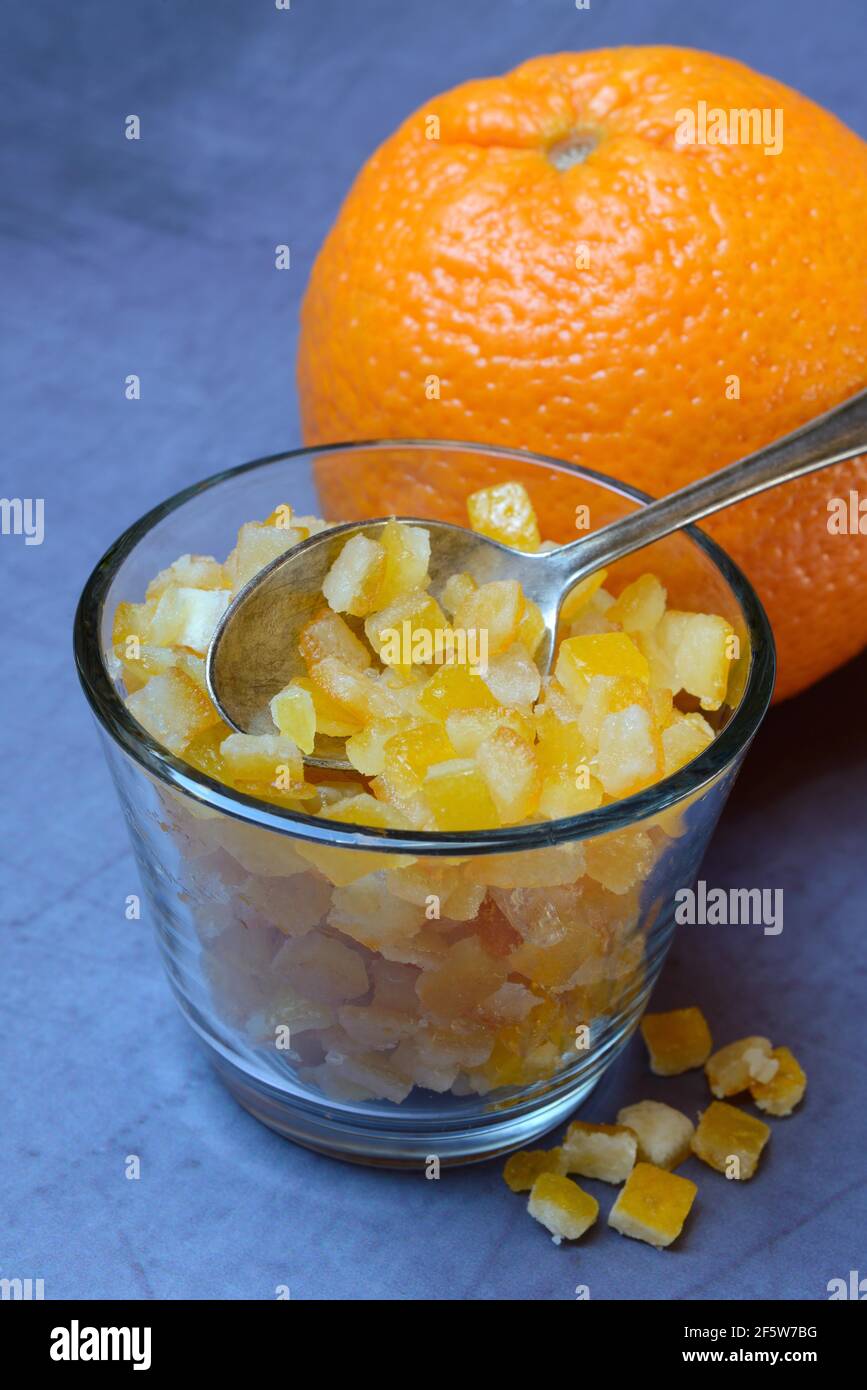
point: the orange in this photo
(537, 261)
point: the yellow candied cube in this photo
(353, 582)
(677, 1041)
(366, 749)
(132, 620)
(664, 1134)
(173, 709)
(730, 1140)
(640, 606)
(686, 736)
(513, 677)
(621, 859)
(505, 514)
(564, 795)
(579, 659)
(409, 755)
(736, 1065)
(578, 598)
(785, 1089)
(599, 1151)
(407, 557)
(699, 648)
(406, 632)
(458, 796)
(189, 571)
(358, 696)
(332, 718)
(508, 764)
(294, 713)
(522, 1169)
(456, 588)
(454, 688)
(562, 1207)
(256, 547)
(495, 610)
(630, 751)
(610, 695)
(468, 728)
(268, 758)
(653, 1205)
(187, 617)
(140, 661)
(326, 634)
(467, 976)
(531, 627)
(344, 866)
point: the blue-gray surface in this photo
(156, 257)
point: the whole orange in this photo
(541, 260)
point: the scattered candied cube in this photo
(653, 1205)
(599, 1151)
(562, 1207)
(677, 1041)
(730, 1140)
(522, 1169)
(785, 1089)
(664, 1134)
(734, 1066)
(505, 513)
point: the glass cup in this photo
(388, 996)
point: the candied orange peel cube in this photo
(562, 1207)
(734, 1067)
(352, 585)
(785, 1089)
(653, 1205)
(664, 1134)
(730, 1140)
(599, 1151)
(505, 513)
(676, 1041)
(522, 1169)
(579, 659)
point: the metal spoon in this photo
(254, 650)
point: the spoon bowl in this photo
(254, 651)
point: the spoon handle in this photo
(839, 434)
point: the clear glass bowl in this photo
(345, 1015)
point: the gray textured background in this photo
(156, 258)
